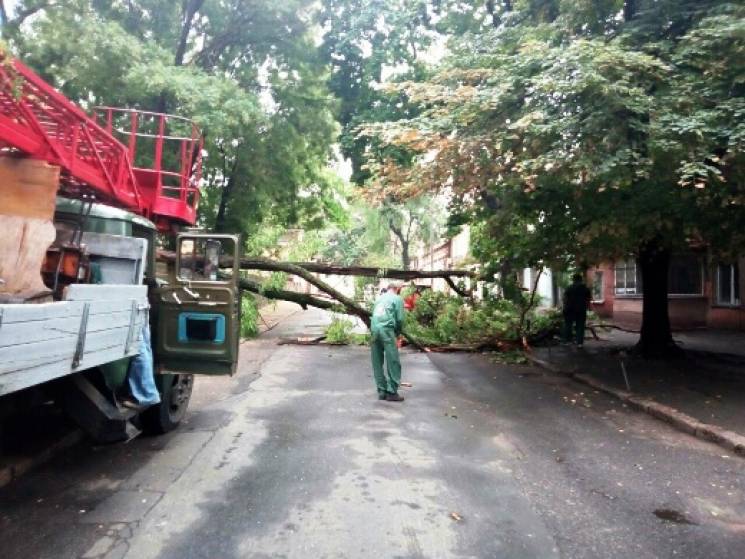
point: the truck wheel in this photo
(175, 393)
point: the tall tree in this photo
(364, 43)
(589, 129)
(247, 71)
(413, 224)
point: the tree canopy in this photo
(246, 71)
(585, 129)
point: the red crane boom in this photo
(156, 174)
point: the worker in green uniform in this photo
(385, 326)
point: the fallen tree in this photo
(363, 271)
(340, 303)
(349, 304)
(267, 265)
(306, 270)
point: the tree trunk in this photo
(302, 299)
(224, 198)
(405, 257)
(656, 338)
(266, 265)
(525, 309)
(362, 271)
(629, 10)
(190, 10)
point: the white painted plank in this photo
(38, 375)
(108, 352)
(25, 356)
(28, 332)
(31, 377)
(38, 342)
(109, 292)
(14, 313)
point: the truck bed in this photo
(95, 324)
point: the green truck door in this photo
(198, 310)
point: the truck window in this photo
(200, 259)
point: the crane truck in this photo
(86, 199)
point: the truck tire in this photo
(175, 393)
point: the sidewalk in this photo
(273, 312)
(727, 343)
(708, 384)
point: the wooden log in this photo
(28, 191)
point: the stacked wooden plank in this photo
(27, 194)
(95, 324)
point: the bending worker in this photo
(385, 326)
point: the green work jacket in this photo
(388, 312)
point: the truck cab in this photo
(78, 276)
(103, 285)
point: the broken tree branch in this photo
(365, 271)
(301, 272)
(455, 287)
(266, 265)
(302, 299)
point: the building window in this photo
(686, 275)
(628, 278)
(728, 284)
(598, 286)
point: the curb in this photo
(683, 422)
(11, 472)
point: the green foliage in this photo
(363, 40)
(249, 316)
(360, 339)
(264, 240)
(275, 281)
(340, 331)
(441, 319)
(360, 285)
(569, 134)
(387, 235)
(247, 72)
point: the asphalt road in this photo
(295, 457)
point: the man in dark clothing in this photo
(577, 298)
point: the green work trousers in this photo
(383, 348)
